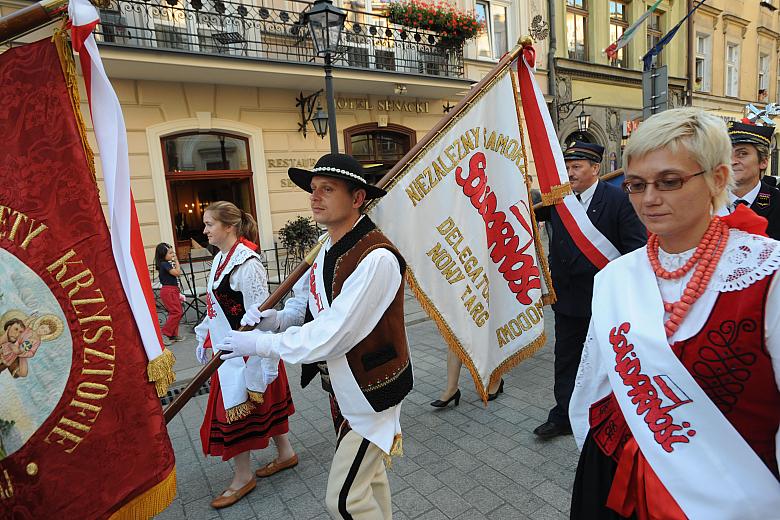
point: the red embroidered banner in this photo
(81, 429)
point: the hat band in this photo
(338, 170)
(750, 134)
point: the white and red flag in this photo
(551, 169)
(459, 211)
(111, 137)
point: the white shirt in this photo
(351, 316)
(586, 196)
(749, 197)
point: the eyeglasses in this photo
(666, 184)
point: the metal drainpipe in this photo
(552, 86)
(691, 57)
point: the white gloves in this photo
(201, 354)
(250, 343)
(266, 320)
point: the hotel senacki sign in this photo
(384, 105)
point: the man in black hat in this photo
(749, 159)
(572, 273)
(346, 323)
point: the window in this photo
(378, 149)
(618, 23)
(205, 152)
(763, 77)
(654, 28)
(732, 70)
(170, 37)
(703, 72)
(494, 42)
(576, 27)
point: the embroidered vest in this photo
(729, 360)
(380, 363)
(231, 301)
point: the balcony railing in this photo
(263, 31)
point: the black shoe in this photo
(549, 430)
(438, 403)
(500, 390)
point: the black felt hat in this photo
(582, 150)
(338, 166)
(750, 134)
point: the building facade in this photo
(610, 90)
(216, 94)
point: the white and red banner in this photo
(111, 137)
(551, 169)
(460, 213)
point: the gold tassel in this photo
(256, 397)
(151, 502)
(236, 413)
(71, 82)
(160, 371)
(396, 450)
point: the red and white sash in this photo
(551, 168)
(705, 464)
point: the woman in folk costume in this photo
(250, 401)
(676, 405)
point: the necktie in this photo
(579, 197)
(740, 201)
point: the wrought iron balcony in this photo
(263, 31)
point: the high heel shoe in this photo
(492, 397)
(438, 403)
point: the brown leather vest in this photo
(380, 363)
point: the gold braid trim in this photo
(514, 360)
(160, 371)
(396, 450)
(60, 40)
(151, 502)
(556, 194)
(256, 397)
(236, 413)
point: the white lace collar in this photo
(747, 259)
(240, 255)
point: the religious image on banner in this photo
(460, 213)
(76, 401)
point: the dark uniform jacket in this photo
(572, 273)
(767, 204)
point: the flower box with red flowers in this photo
(452, 25)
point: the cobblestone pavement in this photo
(467, 462)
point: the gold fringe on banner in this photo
(68, 65)
(256, 397)
(236, 413)
(151, 502)
(160, 371)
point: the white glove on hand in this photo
(201, 355)
(239, 344)
(266, 320)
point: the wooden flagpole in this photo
(30, 18)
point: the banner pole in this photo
(30, 18)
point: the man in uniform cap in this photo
(749, 158)
(611, 213)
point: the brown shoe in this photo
(233, 496)
(276, 466)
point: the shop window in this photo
(703, 64)
(494, 41)
(576, 29)
(618, 23)
(378, 148)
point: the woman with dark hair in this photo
(250, 401)
(169, 270)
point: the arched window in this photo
(201, 168)
(378, 148)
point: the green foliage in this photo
(299, 235)
(453, 25)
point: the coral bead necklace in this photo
(705, 259)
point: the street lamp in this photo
(325, 25)
(583, 120)
(320, 122)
